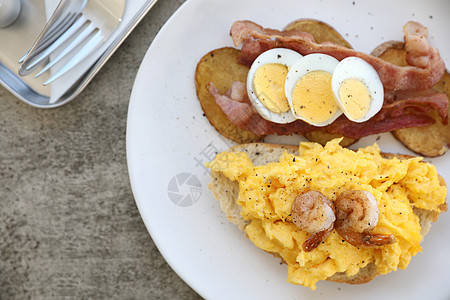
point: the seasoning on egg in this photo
(270, 217)
(284, 86)
(268, 85)
(309, 92)
(355, 98)
(312, 97)
(357, 89)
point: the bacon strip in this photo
(425, 70)
(403, 112)
(422, 101)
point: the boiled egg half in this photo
(266, 84)
(308, 90)
(357, 89)
(284, 86)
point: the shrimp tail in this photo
(314, 240)
(378, 239)
(358, 239)
(357, 215)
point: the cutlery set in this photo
(73, 32)
(51, 49)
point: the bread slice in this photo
(227, 191)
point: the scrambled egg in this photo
(266, 194)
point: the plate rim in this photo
(177, 269)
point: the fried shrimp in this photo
(314, 213)
(356, 216)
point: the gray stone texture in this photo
(69, 226)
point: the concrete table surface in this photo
(69, 226)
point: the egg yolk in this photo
(355, 98)
(312, 97)
(268, 84)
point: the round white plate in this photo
(169, 140)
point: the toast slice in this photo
(226, 192)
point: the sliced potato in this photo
(220, 67)
(323, 137)
(321, 31)
(430, 141)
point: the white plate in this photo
(168, 139)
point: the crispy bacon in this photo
(402, 111)
(421, 101)
(425, 70)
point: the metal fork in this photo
(75, 30)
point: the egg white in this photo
(359, 69)
(310, 63)
(281, 56)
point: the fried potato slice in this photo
(324, 137)
(321, 32)
(220, 67)
(430, 141)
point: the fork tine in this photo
(71, 35)
(58, 30)
(63, 38)
(23, 57)
(49, 36)
(26, 60)
(62, 18)
(94, 41)
(84, 34)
